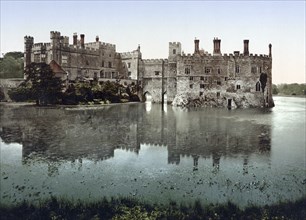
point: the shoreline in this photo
(131, 208)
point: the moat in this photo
(249, 156)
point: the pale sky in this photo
(153, 24)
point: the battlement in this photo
(178, 44)
(108, 46)
(154, 61)
(129, 54)
(55, 34)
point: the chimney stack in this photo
(75, 39)
(196, 46)
(82, 40)
(246, 48)
(217, 46)
(270, 50)
(97, 38)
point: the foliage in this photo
(1, 94)
(45, 87)
(22, 93)
(128, 208)
(11, 65)
(274, 89)
(290, 89)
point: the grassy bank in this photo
(126, 208)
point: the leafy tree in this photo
(11, 65)
(45, 87)
(274, 89)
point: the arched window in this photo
(258, 87)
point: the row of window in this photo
(109, 64)
(208, 70)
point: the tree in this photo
(11, 65)
(274, 89)
(45, 87)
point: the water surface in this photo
(251, 156)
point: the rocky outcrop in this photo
(212, 99)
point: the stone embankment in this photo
(211, 99)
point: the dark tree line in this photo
(11, 65)
(289, 89)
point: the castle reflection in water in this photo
(75, 134)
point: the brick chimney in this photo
(270, 50)
(246, 47)
(75, 39)
(82, 40)
(217, 46)
(196, 46)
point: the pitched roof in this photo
(56, 68)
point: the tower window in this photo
(219, 70)
(238, 87)
(225, 78)
(254, 69)
(187, 70)
(129, 65)
(201, 86)
(156, 73)
(102, 63)
(190, 86)
(237, 69)
(218, 94)
(219, 82)
(110, 64)
(207, 69)
(257, 86)
(174, 51)
(202, 78)
(191, 78)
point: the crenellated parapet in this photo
(55, 35)
(154, 61)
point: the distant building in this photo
(232, 80)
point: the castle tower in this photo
(28, 44)
(56, 46)
(246, 47)
(196, 46)
(174, 50)
(217, 46)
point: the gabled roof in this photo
(56, 68)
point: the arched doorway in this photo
(258, 87)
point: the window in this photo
(202, 78)
(201, 93)
(191, 78)
(260, 69)
(129, 75)
(225, 78)
(238, 87)
(174, 51)
(219, 70)
(156, 73)
(237, 69)
(218, 94)
(109, 64)
(102, 63)
(207, 69)
(101, 74)
(257, 86)
(254, 69)
(87, 62)
(187, 70)
(201, 86)
(190, 86)
(129, 65)
(110, 55)
(219, 82)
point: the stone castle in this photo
(233, 80)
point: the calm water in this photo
(251, 156)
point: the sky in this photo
(153, 24)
